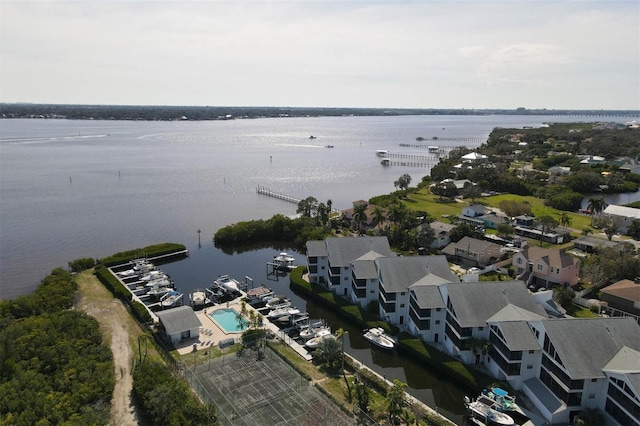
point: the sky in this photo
(566, 54)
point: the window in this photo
(402, 305)
(519, 261)
(529, 366)
(539, 267)
(437, 322)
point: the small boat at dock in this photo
(171, 299)
(482, 412)
(378, 337)
(277, 313)
(323, 334)
(310, 330)
(227, 283)
(278, 302)
(198, 298)
(284, 262)
(258, 295)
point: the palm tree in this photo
(395, 400)
(360, 215)
(565, 220)
(595, 205)
(340, 335)
(377, 216)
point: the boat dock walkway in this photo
(270, 193)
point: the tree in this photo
(565, 220)
(307, 207)
(445, 188)
(514, 208)
(505, 229)
(590, 417)
(360, 215)
(377, 216)
(330, 351)
(396, 401)
(397, 213)
(403, 183)
(545, 224)
(634, 229)
(563, 296)
(472, 191)
(424, 235)
(608, 223)
(464, 230)
(595, 205)
(362, 391)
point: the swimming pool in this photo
(227, 320)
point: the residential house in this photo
(470, 305)
(474, 210)
(472, 252)
(623, 297)
(364, 279)
(329, 261)
(593, 245)
(347, 215)
(574, 373)
(557, 174)
(479, 215)
(397, 275)
(626, 215)
(474, 157)
(441, 233)
(179, 324)
(592, 159)
(543, 267)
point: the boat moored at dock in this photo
(259, 295)
(378, 337)
(321, 335)
(482, 412)
(228, 283)
(171, 299)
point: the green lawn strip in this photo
(424, 201)
(306, 368)
(577, 311)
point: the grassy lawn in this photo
(581, 312)
(424, 201)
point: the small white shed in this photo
(179, 323)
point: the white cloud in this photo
(325, 53)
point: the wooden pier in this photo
(270, 193)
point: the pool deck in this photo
(211, 333)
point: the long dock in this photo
(271, 193)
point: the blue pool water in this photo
(226, 319)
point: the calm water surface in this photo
(71, 189)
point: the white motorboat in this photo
(153, 275)
(227, 283)
(171, 299)
(198, 298)
(277, 313)
(165, 281)
(278, 302)
(309, 331)
(284, 261)
(378, 337)
(482, 413)
(321, 335)
(159, 290)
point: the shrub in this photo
(82, 264)
(112, 283)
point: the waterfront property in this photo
(179, 324)
(499, 326)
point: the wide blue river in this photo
(71, 189)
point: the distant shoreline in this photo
(211, 113)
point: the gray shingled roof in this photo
(399, 273)
(518, 336)
(427, 296)
(474, 303)
(178, 319)
(574, 340)
(343, 251)
(364, 269)
(514, 313)
(316, 248)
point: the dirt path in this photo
(120, 330)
